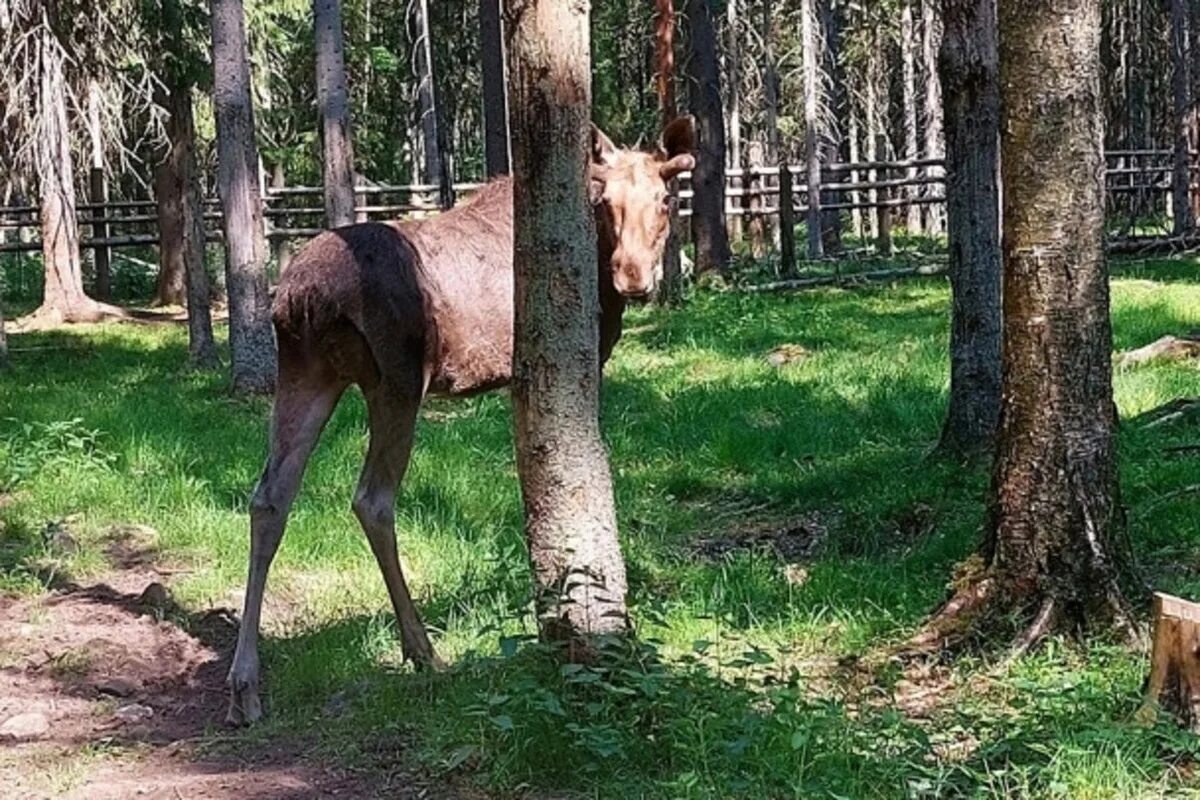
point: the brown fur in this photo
(407, 309)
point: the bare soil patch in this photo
(111, 691)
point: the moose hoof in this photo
(245, 707)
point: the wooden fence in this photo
(1139, 186)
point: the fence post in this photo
(883, 211)
(279, 244)
(787, 223)
(98, 197)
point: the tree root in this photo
(1039, 629)
(953, 620)
(50, 317)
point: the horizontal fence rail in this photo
(1139, 184)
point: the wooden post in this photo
(1174, 683)
(281, 246)
(787, 223)
(98, 196)
(883, 212)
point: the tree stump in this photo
(1174, 683)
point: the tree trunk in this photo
(435, 165)
(570, 521)
(830, 65)
(670, 289)
(970, 77)
(1054, 548)
(251, 337)
(874, 130)
(1181, 87)
(495, 104)
(812, 133)
(935, 145)
(180, 204)
(770, 79)
(708, 178)
(63, 299)
(908, 47)
(98, 193)
(334, 104)
(734, 90)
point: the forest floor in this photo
(784, 525)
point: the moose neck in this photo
(612, 302)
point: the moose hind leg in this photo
(392, 415)
(300, 413)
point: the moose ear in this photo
(603, 150)
(678, 138)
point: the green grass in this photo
(743, 683)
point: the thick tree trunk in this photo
(971, 81)
(569, 516)
(63, 299)
(334, 104)
(874, 130)
(436, 171)
(670, 289)
(708, 178)
(1054, 547)
(935, 145)
(251, 337)
(1181, 88)
(908, 46)
(495, 103)
(812, 132)
(180, 214)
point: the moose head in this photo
(630, 191)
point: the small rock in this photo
(155, 596)
(118, 687)
(23, 727)
(134, 712)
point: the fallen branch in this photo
(927, 270)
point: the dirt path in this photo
(108, 691)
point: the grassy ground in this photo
(746, 680)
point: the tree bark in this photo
(1181, 89)
(98, 193)
(570, 520)
(831, 139)
(334, 104)
(708, 178)
(180, 202)
(670, 289)
(436, 171)
(969, 65)
(908, 46)
(495, 103)
(812, 132)
(770, 79)
(1054, 547)
(251, 337)
(935, 145)
(733, 88)
(63, 299)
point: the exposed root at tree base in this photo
(1040, 628)
(50, 317)
(954, 619)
